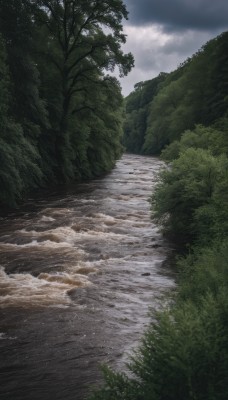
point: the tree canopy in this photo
(195, 93)
(59, 55)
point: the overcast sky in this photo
(163, 33)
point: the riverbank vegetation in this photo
(184, 353)
(60, 112)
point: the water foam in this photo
(25, 290)
(45, 218)
(68, 236)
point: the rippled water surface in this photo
(78, 270)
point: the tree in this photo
(19, 159)
(17, 29)
(213, 138)
(188, 199)
(137, 110)
(83, 39)
(169, 115)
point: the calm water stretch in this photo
(78, 271)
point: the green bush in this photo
(213, 138)
(184, 353)
(189, 200)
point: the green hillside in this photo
(161, 109)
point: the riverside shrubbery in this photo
(191, 199)
(184, 353)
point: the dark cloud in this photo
(176, 15)
(161, 34)
(156, 51)
(185, 44)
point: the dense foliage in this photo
(60, 112)
(184, 353)
(137, 111)
(160, 110)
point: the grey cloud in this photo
(176, 15)
(186, 44)
(161, 34)
(154, 55)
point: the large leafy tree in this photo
(82, 40)
(61, 113)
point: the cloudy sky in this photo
(163, 33)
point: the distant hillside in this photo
(158, 111)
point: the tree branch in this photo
(76, 110)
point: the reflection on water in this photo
(79, 269)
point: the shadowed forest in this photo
(61, 114)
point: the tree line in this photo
(158, 111)
(184, 117)
(60, 110)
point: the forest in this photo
(61, 111)
(183, 117)
(63, 118)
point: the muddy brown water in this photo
(79, 269)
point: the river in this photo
(79, 268)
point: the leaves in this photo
(60, 113)
(193, 94)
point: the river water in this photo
(79, 269)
